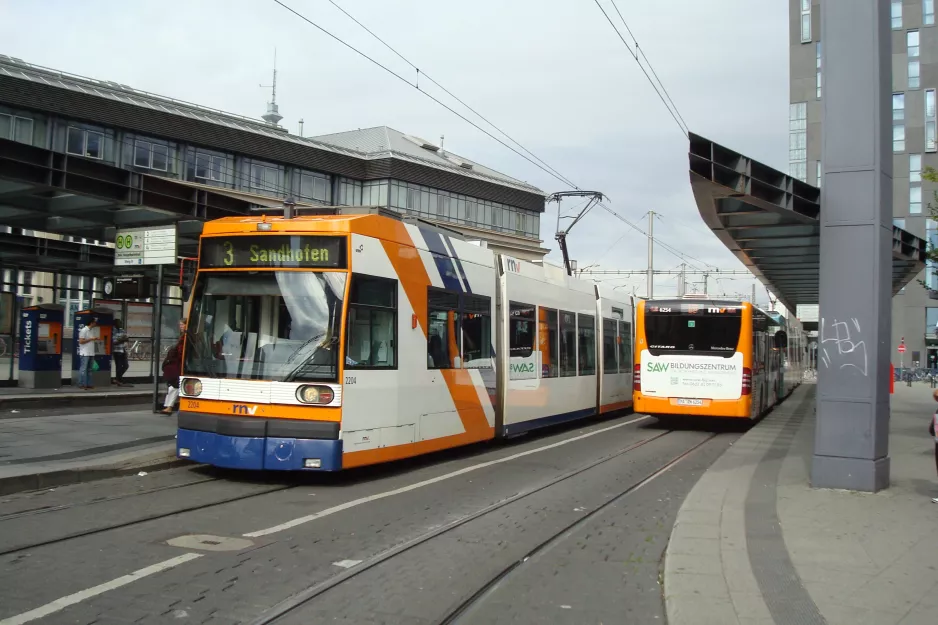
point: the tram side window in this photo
(476, 332)
(567, 344)
(372, 323)
(586, 334)
(520, 330)
(625, 346)
(610, 347)
(548, 342)
(442, 328)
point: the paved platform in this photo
(14, 398)
(38, 452)
(753, 543)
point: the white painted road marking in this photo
(64, 602)
(404, 489)
(78, 597)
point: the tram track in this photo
(145, 519)
(305, 598)
(70, 506)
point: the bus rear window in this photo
(683, 333)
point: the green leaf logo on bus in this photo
(657, 367)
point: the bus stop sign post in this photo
(154, 245)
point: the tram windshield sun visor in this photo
(701, 334)
(282, 326)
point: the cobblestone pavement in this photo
(238, 551)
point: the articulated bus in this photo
(710, 358)
(323, 342)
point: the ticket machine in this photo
(40, 350)
(102, 349)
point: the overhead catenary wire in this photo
(650, 66)
(451, 94)
(429, 95)
(677, 119)
(533, 159)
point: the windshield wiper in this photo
(296, 370)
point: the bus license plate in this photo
(690, 402)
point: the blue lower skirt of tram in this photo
(262, 453)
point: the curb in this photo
(80, 400)
(156, 461)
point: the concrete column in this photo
(851, 447)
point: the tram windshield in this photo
(272, 325)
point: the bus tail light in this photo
(315, 394)
(747, 381)
(637, 378)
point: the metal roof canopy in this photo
(68, 195)
(770, 222)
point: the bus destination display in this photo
(272, 252)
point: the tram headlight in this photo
(191, 387)
(315, 394)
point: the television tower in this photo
(273, 115)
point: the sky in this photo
(553, 74)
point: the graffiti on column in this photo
(842, 347)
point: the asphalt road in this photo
(566, 527)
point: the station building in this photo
(253, 160)
(914, 144)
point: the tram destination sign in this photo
(145, 246)
(272, 252)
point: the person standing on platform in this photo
(172, 369)
(86, 341)
(119, 351)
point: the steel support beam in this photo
(852, 434)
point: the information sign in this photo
(145, 246)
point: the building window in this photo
(818, 62)
(264, 178)
(372, 323)
(375, 193)
(548, 341)
(805, 21)
(898, 222)
(797, 140)
(151, 155)
(210, 167)
(914, 78)
(928, 12)
(16, 128)
(350, 192)
(314, 187)
(817, 175)
(915, 199)
(931, 240)
(915, 167)
(88, 143)
(586, 337)
(896, 14)
(27, 283)
(912, 43)
(898, 138)
(931, 320)
(930, 121)
(898, 107)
